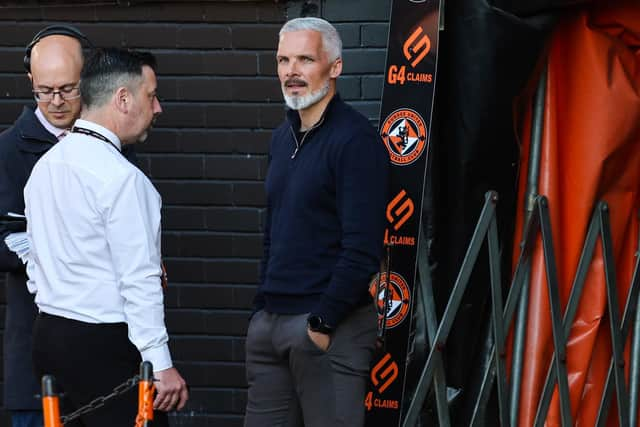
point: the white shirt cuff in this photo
(159, 357)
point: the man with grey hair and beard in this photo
(93, 221)
(312, 334)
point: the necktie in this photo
(62, 135)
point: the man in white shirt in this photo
(94, 227)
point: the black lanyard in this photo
(85, 131)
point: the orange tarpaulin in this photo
(590, 152)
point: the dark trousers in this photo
(26, 418)
(294, 383)
(88, 360)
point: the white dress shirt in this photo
(93, 221)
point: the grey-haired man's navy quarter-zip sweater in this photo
(326, 195)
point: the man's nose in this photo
(292, 68)
(57, 99)
(157, 108)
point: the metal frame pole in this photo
(498, 326)
(519, 336)
(488, 211)
(570, 311)
(425, 293)
(559, 338)
(617, 340)
(630, 312)
(530, 230)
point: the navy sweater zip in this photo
(295, 138)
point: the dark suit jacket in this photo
(20, 148)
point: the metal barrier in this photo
(537, 226)
(50, 403)
(144, 417)
(146, 389)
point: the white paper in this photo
(19, 243)
(16, 215)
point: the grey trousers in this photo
(293, 383)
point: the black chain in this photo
(100, 401)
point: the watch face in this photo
(315, 322)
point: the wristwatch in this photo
(317, 324)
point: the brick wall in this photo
(207, 155)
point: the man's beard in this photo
(300, 102)
(143, 137)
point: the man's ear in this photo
(336, 68)
(122, 99)
(30, 78)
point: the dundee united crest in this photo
(398, 300)
(405, 135)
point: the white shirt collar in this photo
(55, 131)
(101, 130)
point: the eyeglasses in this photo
(66, 93)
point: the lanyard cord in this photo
(85, 131)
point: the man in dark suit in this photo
(53, 60)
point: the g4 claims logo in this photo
(399, 75)
(384, 373)
(399, 210)
(415, 49)
(382, 376)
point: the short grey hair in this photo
(108, 69)
(331, 41)
(101, 89)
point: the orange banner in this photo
(590, 152)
